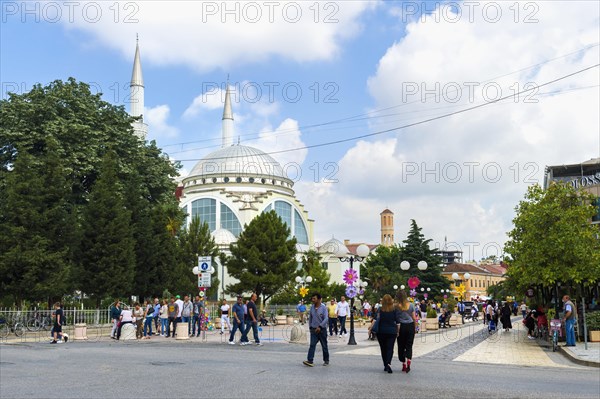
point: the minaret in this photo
(136, 89)
(387, 228)
(227, 124)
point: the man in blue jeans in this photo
(569, 318)
(317, 323)
(251, 322)
(237, 315)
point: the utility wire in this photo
(443, 116)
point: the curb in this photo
(577, 360)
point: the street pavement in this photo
(460, 362)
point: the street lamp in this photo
(422, 265)
(302, 282)
(457, 282)
(362, 251)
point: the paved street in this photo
(461, 365)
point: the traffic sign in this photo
(204, 263)
(204, 280)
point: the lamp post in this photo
(303, 282)
(362, 251)
(458, 281)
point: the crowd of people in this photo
(165, 315)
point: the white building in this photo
(231, 186)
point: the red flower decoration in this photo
(414, 282)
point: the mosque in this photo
(232, 185)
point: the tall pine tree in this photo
(108, 248)
(264, 257)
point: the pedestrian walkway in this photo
(512, 347)
(578, 353)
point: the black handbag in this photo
(375, 327)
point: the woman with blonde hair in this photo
(387, 330)
(407, 328)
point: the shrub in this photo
(592, 320)
(280, 312)
(431, 313)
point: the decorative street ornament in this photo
(303, 291)
(445, 296)
(425, 295)
(461, 289)
(361, 292)
(351, 291)
(350, 276)
(413, 292)
(414, 282)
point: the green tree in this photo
(36, 224)
(552, 239)
(107, 256)
(66, 120)
(264, 258)
(194, 241)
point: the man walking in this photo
(331, 310)
(179, 303)
(252, 322)
(342, 312)
(301, 309)
(569, 319)
(197, 319)
(237, 312)
(317, 323)
(186, 312)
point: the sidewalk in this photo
(579, 355)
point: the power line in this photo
(443, 116)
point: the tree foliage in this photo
(552, 239)
(53, 140)
(264, 258)
(382, 269)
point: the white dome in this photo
(238, 160)
(223, 237)
(332, 246)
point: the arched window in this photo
(284, 211)
(206, 210)
(299, 229)
(229, 221)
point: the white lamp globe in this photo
(402, 287)
(454, 276)
(428, 289)
(362, 251)
(395, 287)
(365, 284)
(308, 279)
(422, 265)
(404, 265)
(422, 289)
(467, 276)
(195, 270)
(298, 279)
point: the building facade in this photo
(480, 278)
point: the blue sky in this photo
(370, 57)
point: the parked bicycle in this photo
(556, 329)
(10, 325)
(39, 322)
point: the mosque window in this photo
(214, 179)
(203, 181)
(284, 211)
(325, 265)
(299, 229)
(263, 181)
(206, 210)
(268, 208)
(239, 179)
(229, 221)
(185, 218)
(226, 180)
(251, 180)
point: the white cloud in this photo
(209, 100)
(286, 136)
(158, 126)
(209, 34)
(497, 150)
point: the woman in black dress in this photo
(505, 317)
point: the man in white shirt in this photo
(342, 311)
(367, 308)
(179, 303)
(125, 318)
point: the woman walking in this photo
(387, 330)
(408, 326)
(505, 317)
(164, 319)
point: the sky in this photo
(367, 105)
